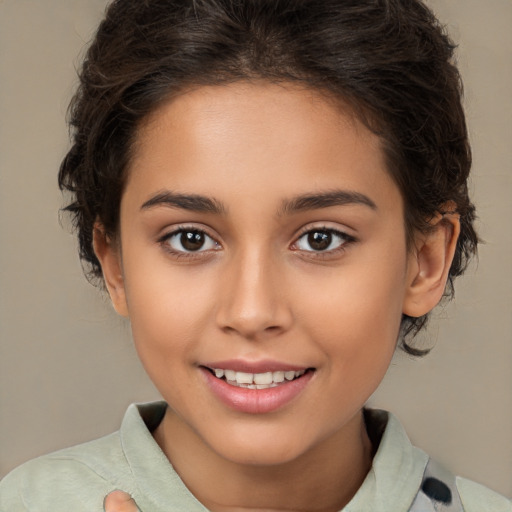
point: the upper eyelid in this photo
(322, 227)
(170, 231)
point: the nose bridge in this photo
(252, 301)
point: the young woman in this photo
(274, 192)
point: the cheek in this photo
(356, 301)
(168, 309)
(356, 319)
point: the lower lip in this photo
(256, 401)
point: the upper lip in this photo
(263, 366)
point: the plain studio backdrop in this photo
(67, 366)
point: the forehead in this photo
(258, 135)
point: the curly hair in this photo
(390, 60)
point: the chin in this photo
(262, 449)
(258, 456)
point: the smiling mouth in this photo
(263, 380)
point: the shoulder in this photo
(79, 476)
(403, 477)
(440, 487)
(476, 497)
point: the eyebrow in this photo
(203, 204)
(325, 200)
(191, 202)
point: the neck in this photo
(324, 479)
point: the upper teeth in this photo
(257, 379)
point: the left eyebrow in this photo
(325, 200)
(190, 202)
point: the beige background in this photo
(67, 366)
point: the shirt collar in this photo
(397, 469)
(391, 484)
(160, 489)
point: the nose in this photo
(252, 301)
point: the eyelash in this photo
(190, 254)
(344, 241)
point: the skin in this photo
(119, 501)
(258, 289)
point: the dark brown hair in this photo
(390, 60)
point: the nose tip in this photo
(252, 324)
(253, 303)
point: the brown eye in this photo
(322, 240)
(190, 240)
(319, 240)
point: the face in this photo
(263, 266)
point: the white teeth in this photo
(230, 374)
(278, 377)
(244, 378)
(257, 380)
(263, 378)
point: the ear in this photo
(429, 265)
(108, 253)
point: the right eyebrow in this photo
(191, 202)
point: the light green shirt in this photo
(77, 479)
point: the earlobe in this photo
(109, 255)
(429, 265)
